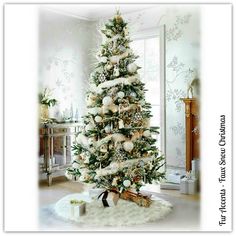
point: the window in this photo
(148, 50)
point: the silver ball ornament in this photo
(126, 183)
(132, 68)
(120, 94)
(98, 119)
(128, 146)
(106, 101)
(108, 129)
(146, 133)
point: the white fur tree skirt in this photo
(125, 213)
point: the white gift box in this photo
(195, 167)
(188, 185)
(77, 209)
(108, 199)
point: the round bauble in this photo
(103, 59)
(126, 183)
(128, 146)
(120, 94)
(114, 165)
(108, 129)
(75, 165)
(132, 68)
(114, 59)
(106, 101)
(133, 94)
(146, 133)
(89, 127)
(98, 119)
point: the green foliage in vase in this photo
(116, 148)
(44, 98)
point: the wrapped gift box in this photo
(78, 208)
(188, 185)
(108, 198)
(195, 168)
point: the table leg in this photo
(64, 150)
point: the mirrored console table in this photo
(49, 132)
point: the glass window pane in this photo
(155, 120)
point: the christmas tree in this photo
(115, 149)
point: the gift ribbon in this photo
(104, 197)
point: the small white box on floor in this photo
(188, 185)
(78, 208)
(183, 185)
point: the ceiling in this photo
(93, 12)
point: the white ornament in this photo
(106, 101)
(75, 165)
(126, 183)
(89, 127)
(132, 67)
(114, 166)
(121, 124)
(103, 59)
(114, 59)
(146, 133)
(133, 94)
(98, 119)
(108, 129)
(120, 94)
(128, 146)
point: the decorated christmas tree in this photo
(115, 149)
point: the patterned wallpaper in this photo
(67, 51)
(65, 61)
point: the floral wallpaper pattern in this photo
(64, 61)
